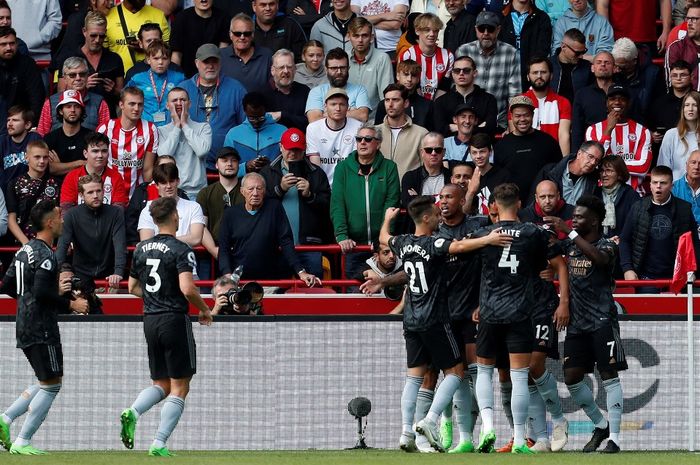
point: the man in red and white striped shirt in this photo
(435, 62)
(133, 141)
(552, 111)
(624, 137)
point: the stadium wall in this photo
(284, 383)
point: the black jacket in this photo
(535, 37)
(483, 102)
(284, 33)
(291, 105)
(623, 203)
(414, 180)
(21, 84)
(555, 172)
(581, 75)
(137, 203)
(459, 31)
(420, 110)
(310, 16)
(314, 212)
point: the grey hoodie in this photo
(597, 29)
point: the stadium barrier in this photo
(284, 383)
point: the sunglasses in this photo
(486, 28)
(366, 139)
(461, 70)
(242, 33)
(97, 36)
(81, 74)
(430, 150)
(578, 53)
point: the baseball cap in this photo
(208, 51)
(333, 91)
(489, 18)
(618, 90)
(70, 96)
(520, 101)
(228, 152)
(462, 107)
(293, 138)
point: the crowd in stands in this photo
(281, 123)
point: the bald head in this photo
(547, 196)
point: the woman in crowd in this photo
(311, 71)
(678, 142)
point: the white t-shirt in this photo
(386, 40)
(189, 211)
(333, 146)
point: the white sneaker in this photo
(541, 446)
(423, 445)
(429, 429)
(407, 442)
(560, 436)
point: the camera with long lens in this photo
(242, 300)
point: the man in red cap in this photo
(305, 193)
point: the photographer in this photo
(222, 292)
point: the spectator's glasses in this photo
(337, 69)
(256, 119)
(227, 200)
(461, 70)
(241, 33)
(692, 19)
(486, 28)
(365, 139)
(578, 53)
(95, 35)
(77, 74)
(430, 150)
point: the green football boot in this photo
(464, 447)
(5, 440)
(128, 420)
(160, 452)
(487, 441)
(522, 450)
(26, 450)
(446, 434)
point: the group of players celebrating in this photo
(480, 296)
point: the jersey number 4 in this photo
(417, 271)
(154, 263)
(509, 260)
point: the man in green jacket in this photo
(365, 184)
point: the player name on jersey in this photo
(155, 246)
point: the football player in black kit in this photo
(593, 334)
(33, 279)
(507, 300)
(161, 273)
(427, 329)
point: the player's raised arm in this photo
(561, 315)
(384, 234)
(495, 237)
(598, 257)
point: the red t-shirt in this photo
(115, 192)
(635, 19)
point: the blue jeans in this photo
(312, 262)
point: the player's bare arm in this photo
(561, 315)
(384, 234)
(495, 237)
(135, 287)
(191, 293)
(589, 250)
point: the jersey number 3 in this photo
(509, 260)
(417, 271)
(154, 263)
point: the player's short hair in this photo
(506, 195)
(594, 204)
(148, 27)
(156, 47)
(94, 18)
(420, 206)
(618, 164)
(409, 67)
(87, 179)
(576, 35)
(336, 54)
(427, 20)
(358, 23)
(536, 60)
(130, 90)
(25, 113)
(162, 208)
(480, 141)
(37, 144)
(662, 170)
(165, 172)
(96, 138)
(40, 212)
(397, 87)
(254, 100)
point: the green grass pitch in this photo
(370, 457)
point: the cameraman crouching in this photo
(223, 291)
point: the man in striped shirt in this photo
(624, 137)
(133, 141)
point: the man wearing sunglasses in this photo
(570, 70)
(244, 61)
(498, 62)
(595, 28)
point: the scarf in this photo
(609, 197)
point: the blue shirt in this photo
(14, 160)
(357, 97)
(251, 143)
(683, 191)
(155, 98)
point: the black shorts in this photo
(465, 331)
(46, 360)
(602, 348)
(546, 338)
(437, 346)
(171, 349)
(516, 338)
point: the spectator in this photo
(570, 71)
(461, 173)
(651, 231)
(308, 12)
(431, 176)
(616, 194)
(528, 29)
(461, 26)
(595, 28)
(257, 139)
(6, 21)
(457, 146)
(275, 31)
(404, 145)
(193, 27)
(285, 99)
(262, 243)
(686, 48)
(667, 106)
(408, 74)
(440, 10)
(590, 102)
(637, 20)
(133, 153)
(95, 233)
(465, 92)
(369, 68)
(485, 177)
(97, 155)
(67, 142)
(156, 83)
(681, 141)
(20, 80)
(624, 137)
(526, 150)
(222, 304)
(13, 146)
(436, 62)
(381, 264)
(191, 224)
(554, 8)
(29, 189)
(73, 38)
(576, 174)
(548, 202)
(245, 61)
(337, 67)
(187, 141)
(386, 16)
(105, 69)
(331, 31)
(687, 186)
(219, 99)
(96, 110)
(311, 71)
(498, 62)
(305, 194)
(552, 111)
(357, 216)
(218, 196)
(123, 23)
(149, 33)
(38, 22)
(330, 140)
